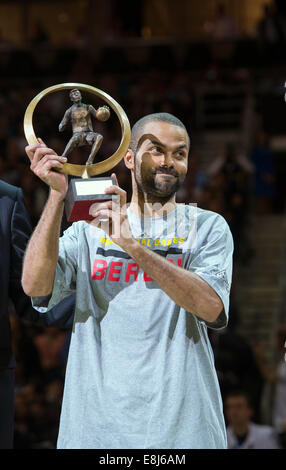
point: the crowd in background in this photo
(235, 185)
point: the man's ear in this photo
(129, 159)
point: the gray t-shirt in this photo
(140, 371)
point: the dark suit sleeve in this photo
(21, 231)
(62, 314)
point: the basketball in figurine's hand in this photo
(103, 113)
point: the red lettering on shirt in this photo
(99, 268)
(113, 271)
(132, 270)
(179, 261)
(146, 278)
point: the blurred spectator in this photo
(41, 354)
(271, 27)
(242, 433)
(50, 344)
(271, 33)
(231, 158)
(265, 172)
(222, 33)
(234, 172)
(276, 376)
(235, 361)
(222, 26)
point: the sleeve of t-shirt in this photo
(66, 271)
(213, 263)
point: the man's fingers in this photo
(45, 153)
(115, 179)
(43, 169)
(119, 191)
(111, 223)
(41, 152)
(31, 149)
(52, 163)
(102, 215)
(97, 206)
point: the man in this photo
(242, 433)
(140, 371)
(15, 230)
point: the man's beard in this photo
(159, 188)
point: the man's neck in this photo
(145, 206)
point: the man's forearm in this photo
(185, 288)
(42, 251)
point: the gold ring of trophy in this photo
(95, 168)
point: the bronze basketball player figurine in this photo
(79, 114)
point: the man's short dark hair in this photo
(159, 117)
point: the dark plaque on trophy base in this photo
(86, 190)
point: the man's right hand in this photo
(43, 161)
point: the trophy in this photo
(85, 190)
